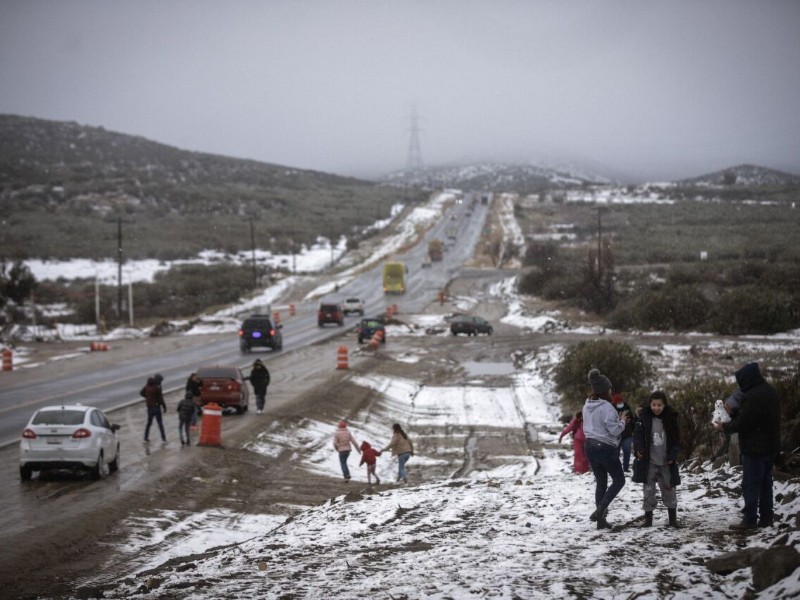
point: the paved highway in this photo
(118, 385)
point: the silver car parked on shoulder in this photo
(69, 437)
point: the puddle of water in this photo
(488, 368)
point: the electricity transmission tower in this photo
(414, 163)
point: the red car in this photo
(224, 385)
(330, 312)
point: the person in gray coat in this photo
(603, 427)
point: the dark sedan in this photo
(470, 325)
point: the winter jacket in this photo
(259, 377)
(576, 428)
(628, 431)
(152, 395)
(399, 445)
(758, 421)
(194, 387)
(186, 408)
(368, 454)
(643, 439)
(601, 421)
(342, 440)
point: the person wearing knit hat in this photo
(341, 443)
(603, 426)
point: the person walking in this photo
(580, 463)
(402, 448)
(626, 439)
(370, 455)
(186, 412)
(758, 423)
(194, 388)
(342, 440)
(259, 377)
(656, 442)
(154, 399)
(603, 427)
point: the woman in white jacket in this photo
(603, 426)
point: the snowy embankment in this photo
(519, 529)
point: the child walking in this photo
(369, 456)
(580, 464)
(186, 410)
(656, 441)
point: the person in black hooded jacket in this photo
(656, 443)
(758, 424)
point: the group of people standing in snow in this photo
(400, 446)
(606, 426)
(190, 406)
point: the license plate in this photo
(214, 388)
(54, 442)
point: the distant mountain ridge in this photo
(745, 175)
(534, 178)
(177, 202)
(497, 177)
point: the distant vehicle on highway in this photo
(225, 386)
(330, 312)
(470, 325)
(353, 305)
(72, 436)
(435, 250)
(260, 331)
(394, 277)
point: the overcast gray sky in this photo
(654, 89)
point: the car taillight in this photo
(241, 332)
(234, 386)
(28, 434)
(82, 433)
(272, 332)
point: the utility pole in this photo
(599, 239)
(414, 163)
(253, 249)
(119, 268)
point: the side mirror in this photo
(279, 325)
(115, 427)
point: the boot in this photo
(648, 518)
(601, 521)
(673, 518)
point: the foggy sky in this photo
(656, 90)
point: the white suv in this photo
(353, 305)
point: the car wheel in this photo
(25, 473)
(100, 470)
(360, 340)
(239, 409)
(245, 349)
(113, 466)
(341, 323)
(319, 323)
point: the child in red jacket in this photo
(368, 455)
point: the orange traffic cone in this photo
(210, 434)
(341, 358)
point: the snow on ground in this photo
(519, 530)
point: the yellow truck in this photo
(394, 277)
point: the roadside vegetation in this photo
(717, 267)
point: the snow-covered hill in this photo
(498, 177)
(745, 175)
